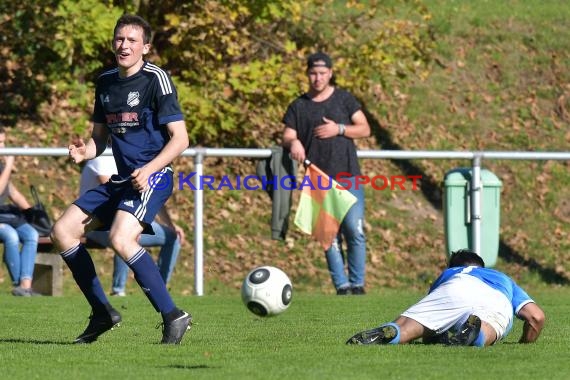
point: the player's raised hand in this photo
(77, 150)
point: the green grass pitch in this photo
(228, 342)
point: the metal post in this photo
(198, 225)
(476, 187)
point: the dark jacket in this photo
(279, 165)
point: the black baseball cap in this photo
(319, 59)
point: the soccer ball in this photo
(266, 291)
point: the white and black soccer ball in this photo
(267, 291)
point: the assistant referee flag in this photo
(322, 206)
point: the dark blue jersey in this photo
(136, 110)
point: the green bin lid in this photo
(459, 176)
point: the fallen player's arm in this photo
(534, 318)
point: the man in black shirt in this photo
(320, 126)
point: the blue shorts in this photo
(104, 200)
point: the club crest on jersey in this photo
(133, 99)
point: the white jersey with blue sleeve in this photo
(495, 279)
(463, 291)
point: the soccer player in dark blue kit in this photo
(136, 106)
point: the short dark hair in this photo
(128, 19)
(465, 257)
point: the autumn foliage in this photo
(429, 81)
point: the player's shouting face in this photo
(129, 47)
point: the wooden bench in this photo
(48, 274)
(48, 270)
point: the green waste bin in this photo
(457, 213)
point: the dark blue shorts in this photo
(104, 200)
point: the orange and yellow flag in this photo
(322, 206)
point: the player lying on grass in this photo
(468, 305)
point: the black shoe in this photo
(357, 290)
(343, 291)
(381, 335)
(99, 324)
(468, 332)
(442, 338)
(172, 332)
